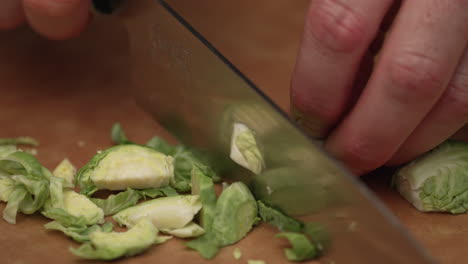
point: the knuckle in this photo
(336, 25)
(415, 75)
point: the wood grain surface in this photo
(67, 94)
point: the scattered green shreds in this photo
(278, 219)
(113, 245)
(31, 184)
(301, 247)
(19, 141)
(237, 254)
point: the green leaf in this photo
(203, 186)
(7, 185)
(205, 245)
(38, 192)
(14, 200)
(113, 245)
(184, 161)
(79, 233)
(319, 234)
(19, 141)
(190, 230)
(64, 218)
(156, 192)
(161, 145)
(235, 215)
(6, 150)
(278, 219)
(118, 135)
(117, 202)
(66, 171)
(301, 247)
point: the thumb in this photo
(58, 19)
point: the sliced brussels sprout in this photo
(172, 212)
(126, 166)
(244, 149)
(66, 171)
(113, 245)
(438, 180)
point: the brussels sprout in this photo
(79, 233)
(118, 202)
(203, 186)
(278, 219)
(302, 248)
(31, 184)
(7, 185)
(190, 230)
(172, 212)
(235, 215)
(66, 171)
(244, 149)
(113, 245)
(76, 205)
(438, 180)
(125, 166)
(19, 141)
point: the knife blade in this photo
(191, 89)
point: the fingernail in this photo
(312, 126)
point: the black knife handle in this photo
(106, 6)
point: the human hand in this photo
(414, 95)
(54, 19)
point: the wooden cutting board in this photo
(68, 94)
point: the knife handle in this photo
(106, 6)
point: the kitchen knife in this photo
(198, 96)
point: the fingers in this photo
(57, 19)
(11, 14)
(448, 116)
(336, 36)
(415, 66)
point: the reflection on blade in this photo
(199, 96)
